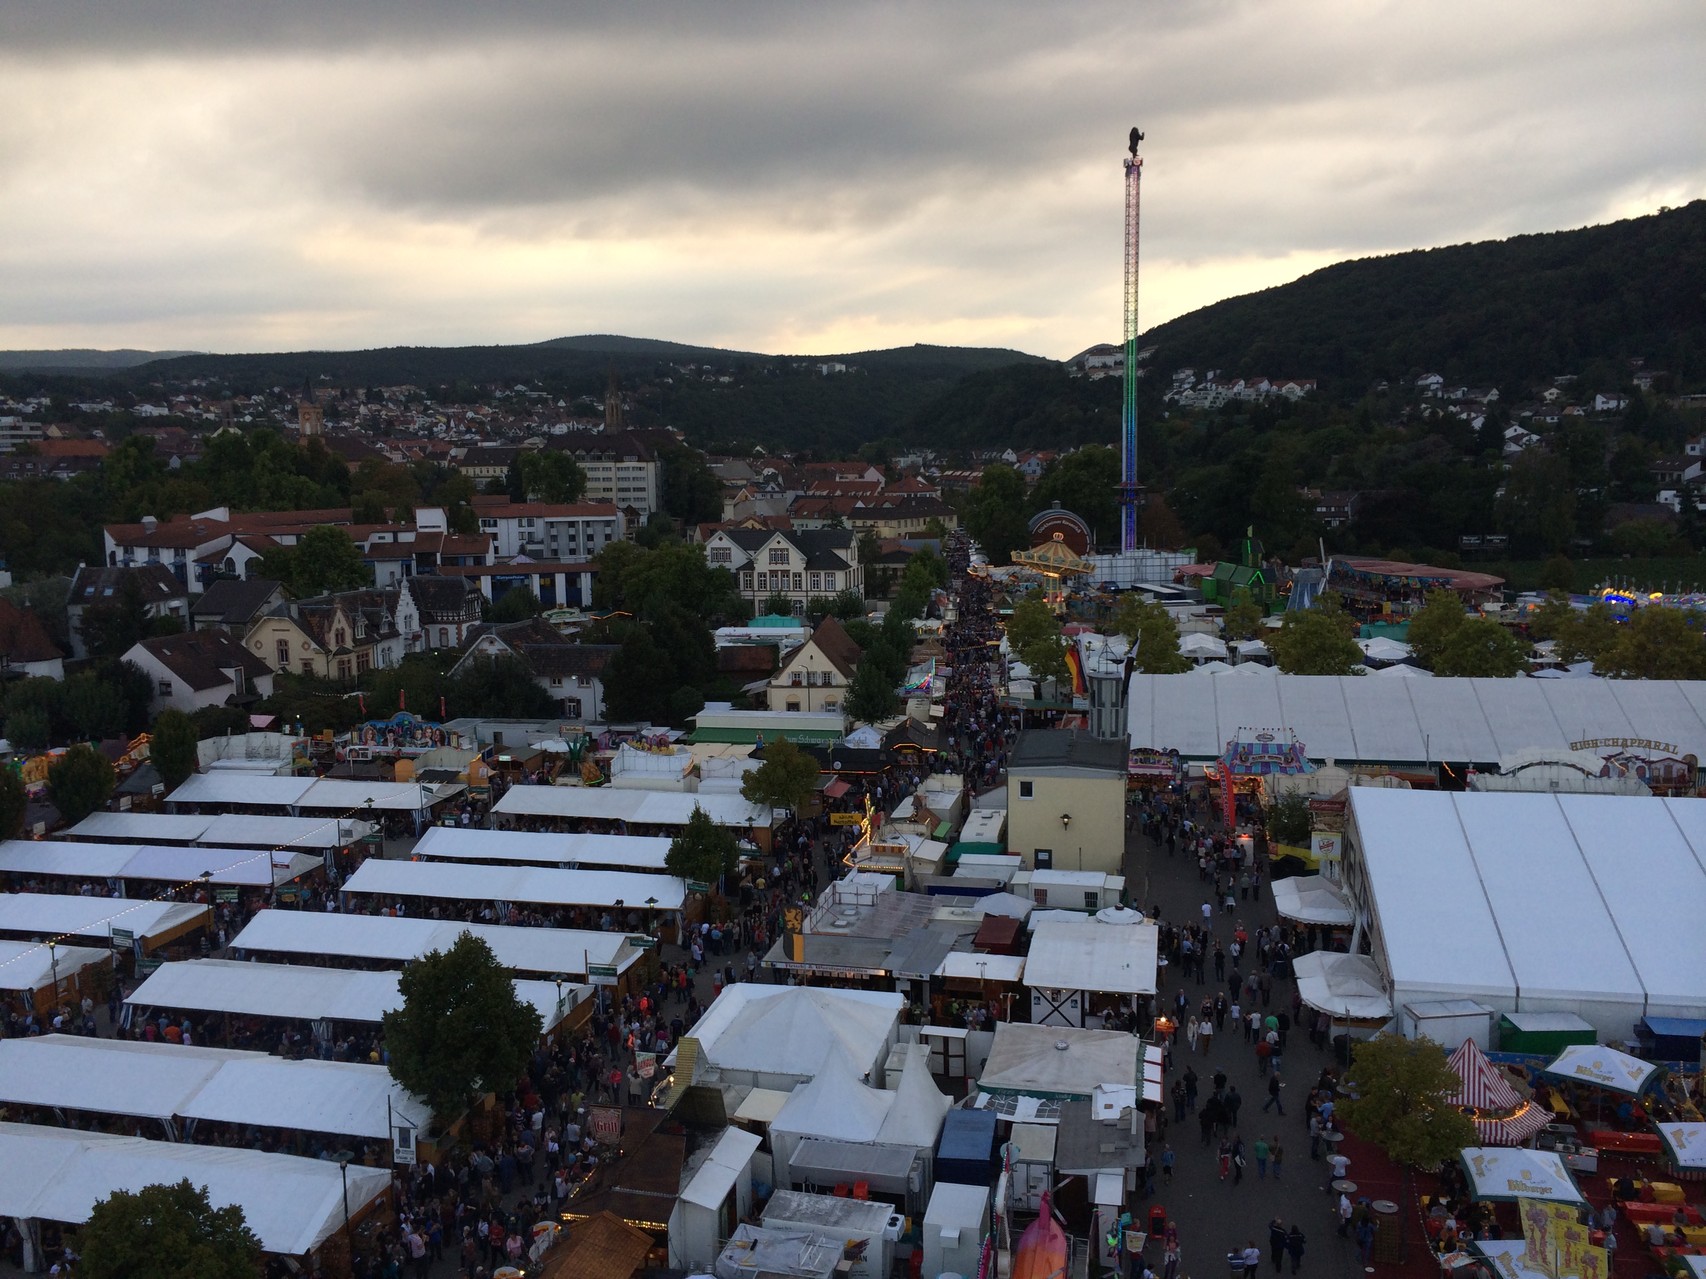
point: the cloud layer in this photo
(801, 178)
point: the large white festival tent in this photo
(1590, 904)
(539, 885)
(633, 807)
(611, 852)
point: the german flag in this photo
(1075, 664)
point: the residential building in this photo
(573, 674)
(1066, 801)
(447, 609)
(153, 586)
(816, 675)
(199, 669)
(620, 468)
(234, 604)
(335, 636)
(25, 646)
(795, 563)
(545, 530)
(554, 583)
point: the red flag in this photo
(402, 699)
(361, 701)
(442, 713)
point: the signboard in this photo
(646, 1064)
(845, 819)
(642, 943)
(146, 966)
(697, 886)
(402, 1145)
(123, 937)
(604, 1124)
(601, 974)
(1625, 743)
(1329, 845)
(224, 894)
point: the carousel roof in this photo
(1053, 556)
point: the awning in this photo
(1348, 987)
(1602, 1067)
(1312, 899)
(1501, 1175)
(1687, 1144)
(836, 789)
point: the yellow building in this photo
(1066, 801)
(817, 675)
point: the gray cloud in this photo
(200, 174)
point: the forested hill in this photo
(1502, 312)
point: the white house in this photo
(564, 531)
(573, 674)
(796, 563)
(200, 668)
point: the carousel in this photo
(1057, 564)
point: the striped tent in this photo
(1501, 1115)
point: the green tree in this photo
(847, 604)
(462, 1029)
(1032, 621)
(994, 513)
(1085, 482)
(1481, 648)
(36, 712)
(323, 560)
(1153, 633)
(515, 605)
(1558, 574)
(1288, 820)
(1243, 617)
(787, 778)
(1655, 643)
(14, 802)
(502, 688)
(1402, 1101)
(172, 747)
(1438, 619)
(80, 782)
(871, 697)
(167, 1232)
(703, 851)
(1313, 642)
(96, 708)
(110, 628)
(692, 494)
(777, 604)
(549, 476)
(1538, 509)
(1585, 636)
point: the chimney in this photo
(149, 523)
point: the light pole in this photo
(53, 962)
(343, 1158)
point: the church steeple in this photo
(612, 404)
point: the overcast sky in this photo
(820, 177)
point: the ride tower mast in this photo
(1131, 493)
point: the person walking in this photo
(1224, 1159)
(1294, 1242)
(1237, 1160)
(1191, 1029)
(1344, 1215)
(1276, 1243)
(1275, 1083)
(1233, 1102)
(1276, 1153)
(1260, 1150)
(1205, 1032)
(1365, 1239)
(1167, 1164)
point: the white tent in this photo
(1504, 1173)
(635, 807)
(1384, 649)
(1312, 899)
(1603, 1067)
(1210, 668)
(915, 1116)
(465, 881)
(71, 915)
(1687, 1143)
(292, 1204)
(1009, 904)
(1347, 987)
(1401, 671)
(1029, 1060)
(30, 966)
(398, 940)
(778, 1036)
(241, 790)
(461, 843)
(1198, 645)
(833, 1105)
(1250, 670)
(1088, 954)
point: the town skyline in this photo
(178, 176)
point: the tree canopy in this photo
(702, 851)
(172, 747)
(462, 1029)
(1401, 1101)
(324, 560)
(79, 782)
(787, 778)
(167, 1232)
(550, 476)
(1313, 642)
(1153, 633)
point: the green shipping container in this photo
(1543, 1034)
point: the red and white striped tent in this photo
(1500, 1114)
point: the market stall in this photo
(1502, 1175)
(1501, 1115)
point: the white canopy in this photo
(1344, 986)
(1504, 1173)
(636, 807)
(166, 1081)
(153, 862)
(974, 965)
(1553, 902)
(1384, 649)
(792, 1030)
(234, 830)
(305, 993)
(1197, 644)
(458, 843)
(352, 798)
(71, 915)
(1358, 720)
(462, 881)
(1058, 1061)
(1402, 671)
(1214, 667)
(1087, 954)
(1603, 1067)
(29, 965)
(915, 1117)
(1312, 899)
(241, 790)
(292, 1204)
(833, 1104)
(399, 939)
(141, 828)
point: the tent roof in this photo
(834, 1104)
(1483, 1086)
(473, 881)
(460, 843)
(241, 790)
(723, 1167)
(793, 1030)
(1087, 954)
(29, 965)
(1356, 719)
(1503, 1173)
(1312, 899)
(292, 1204)
(1687, 1143)
(351, 798)
(1605, 1067)
(1346, 986)
(915, 1116)
(1057, 1061)
(301, 991)
(141, 827)
(236, 830)
(69, 914)
(1551, 899)
(642, 807)
(401, 939)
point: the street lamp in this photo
(1066, 821)
(53, 962)
(343, 1158)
